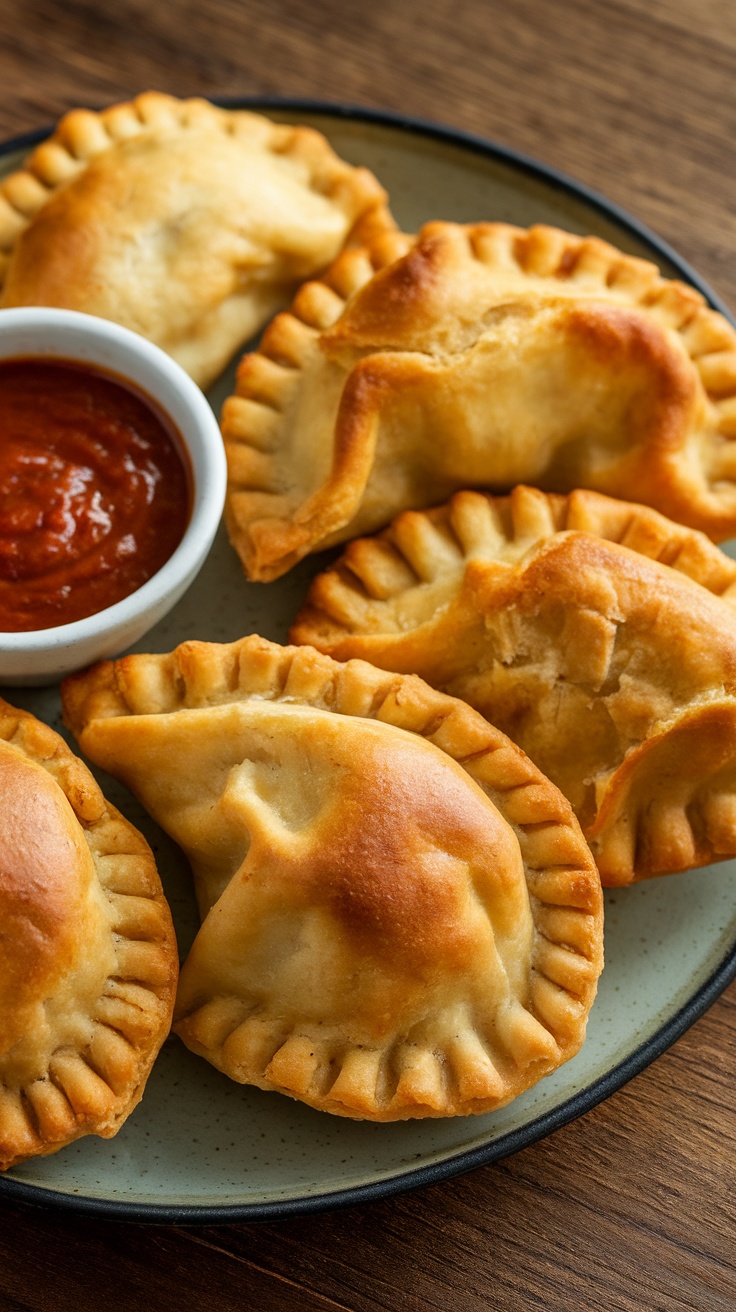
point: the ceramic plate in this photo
(201, 1148)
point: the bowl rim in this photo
(642, 1056)
(207, 493)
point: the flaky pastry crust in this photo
(400, 916)
(597, 634)
(478, 356)
(188, 223)
(88, 961)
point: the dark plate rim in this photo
(647, 1052)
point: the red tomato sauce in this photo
(94, 492)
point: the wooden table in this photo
(631, 1208)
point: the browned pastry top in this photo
(188, 223)
(598, 634)
(400, 916)
(88, 961)
(478, 356)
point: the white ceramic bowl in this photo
(47, 655)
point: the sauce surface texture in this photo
(94, 495)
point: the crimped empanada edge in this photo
(94, 1090)
(83, 133)
(563, 882)
(420, 548)
(343, 608)
(273, 529)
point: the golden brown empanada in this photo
(187, 223)
(401, 917)
(572, 624)
(478, 356)
(88, 961)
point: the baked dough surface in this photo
(189, 224)
(478, 356)
(400, 915)
(88, 961)
(597, 634)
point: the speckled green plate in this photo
(201, 1148)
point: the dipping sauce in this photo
(94, 493)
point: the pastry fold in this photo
(478, 356)
(400, 915)
(597, 634)
(188, 223)
(88, 961)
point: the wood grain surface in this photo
(630, 1209)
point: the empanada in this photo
(88, 961)
(478, 356)
(401, 917)
(187, 223)
(572, 624)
